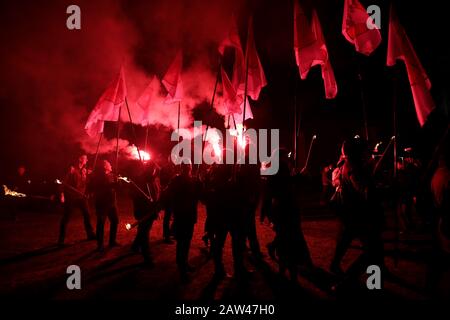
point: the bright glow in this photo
(57, 181)
(128, 226)
(214, 140)
(133, 153)
(11, 193)
(238, 133)
(124, 179)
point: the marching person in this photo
(166, 174)
(289, 242)
(183, 194)
(440, 188)
(74, 197)
(226, 218)
(360, 213)
(248, 184)
(145, 195)
(103, 187)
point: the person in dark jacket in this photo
(74, 197)
(103, 187)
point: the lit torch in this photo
(11, 193)
(134, 154)
(239, 134)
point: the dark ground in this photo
(32, 266)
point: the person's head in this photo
(107, 168)
(185, 169)
(82, 160)
(355, 150)
(21, 170)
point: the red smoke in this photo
(52, 76)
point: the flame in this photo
(133, 153)
(238, 133)
(128, 226)
(9, 192)
(214, 140)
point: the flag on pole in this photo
(400, 48)
(248, 111)
(172, 80)
(310, 49)
(148, 99)
(355, 30)
(107, 107)
(232, 40)
(256, 80)
(231, 100)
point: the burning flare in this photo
(11, 193)
(239, 134)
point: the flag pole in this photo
(146, 138)
(395, 129)
(133, 129)
(246, 76)
(363, 100)
(117, 141)
(295, 123)
(96, 152)
(212, 102)
(178, 124)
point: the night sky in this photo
(51, 77)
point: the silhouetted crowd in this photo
(231, 194)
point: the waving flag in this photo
(310, 49)
(400, 48)
(172, 80)
(231, 100)
(354, 28)
(256, 80)
(232, 40)
(108, 106)
(147, 99)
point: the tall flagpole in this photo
(178, 124)
(133, 130)
(146, 138)
(295, 123)
(363, 100)
(96, 152)
(117, 141)
(395, 129)
(211, 108)
(246, 76)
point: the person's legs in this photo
(114, 222)
(83, 205)
(64, 221)
(166, 224)
(101, 217)
(344, 240)
(218, 243)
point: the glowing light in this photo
(240, 137)
(127, 180)
(128, 226)
(133, 153)
(57, 181)
(9, 192)
(214, 140)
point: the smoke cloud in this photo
(52, 77)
